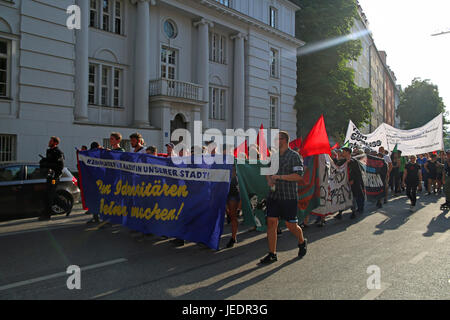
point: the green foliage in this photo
(419, 103)
(325, 84)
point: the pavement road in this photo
(411, 252)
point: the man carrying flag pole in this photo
(283, 198)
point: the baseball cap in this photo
(170, 145)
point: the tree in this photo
(325, 85)
(419, 103)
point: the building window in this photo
(217, 103)
(273, 17)
(106, 14)
(105, 86)
(4, 68)
(92, 83)
(8, 145)
(225, 2)
(118, 18)
(274, 58)
(217, 48)
(170, 29)
(273, 112)
(117, 85)
(168, 63)
(93, 17)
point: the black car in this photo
(23, 190)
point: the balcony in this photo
(176, 89)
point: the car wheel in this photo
(62, 197)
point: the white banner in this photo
(335, 190)
(427, 138)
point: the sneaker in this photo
(92, 221)
(321, 223)
(270, 258)
(412, 208)
(231, 243)
(302, 248)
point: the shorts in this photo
(282, 209)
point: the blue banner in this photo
(153, 195)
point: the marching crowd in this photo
(427, 172)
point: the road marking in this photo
(372, 294)
(419, 257)
(39, 229)
(59, 274)
(105, 294)
(443, 237)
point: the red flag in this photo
(296, 144)
(241, 148)
(317, 140)
(336, 146)
(262, 144)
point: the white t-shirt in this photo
(387, 159)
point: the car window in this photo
(13, 173)
(36, 173)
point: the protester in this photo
(232, 206)
(356, 183)
(136, 143)
(430, 168)
(446, 181)
(95, 216)
(114, 140)
(387, 159)
(395, 173)
(403, 162)
(423, 158)
(411, 180)
(283, 198)
(152, 150)
(54, 164)
(383, 172)
(170, 146)
(439, 172)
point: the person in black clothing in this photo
(395, 173)
(233, 200)
(54, 163)
(411, 180)
(356, 183)
(431, 169)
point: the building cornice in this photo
(249, 20)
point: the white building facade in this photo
(147, 66)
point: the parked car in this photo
(23, 190)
